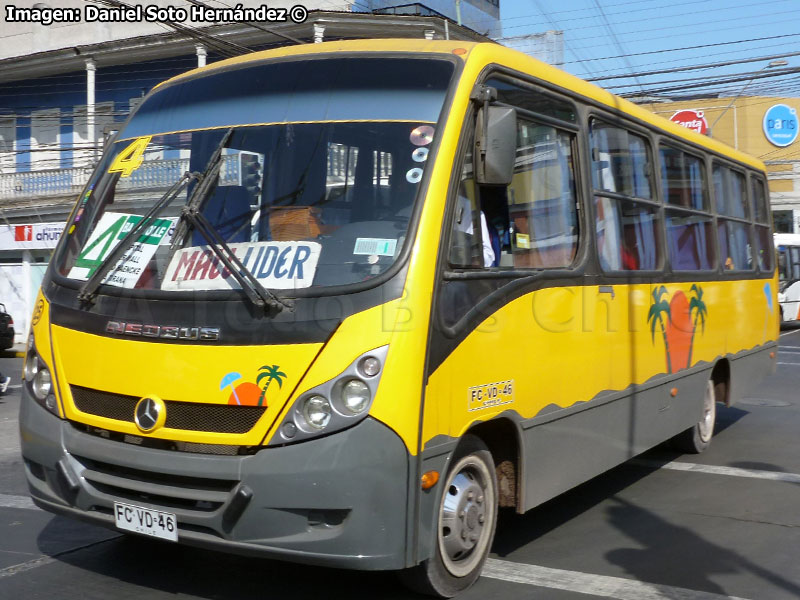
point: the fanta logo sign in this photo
(691, 119)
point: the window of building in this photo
(45, 139)
(7, 144)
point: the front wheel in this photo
(698, 437)
(466, 524)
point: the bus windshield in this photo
(321, 162)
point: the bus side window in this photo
(542, 201)
(628, 229)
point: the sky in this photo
(604, 38)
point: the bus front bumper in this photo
(337, 501)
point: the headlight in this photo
(317, 412)
(31, 366)
(369, 366)
(355, 396)
(39, 380)
(336, 404)
(42, 384)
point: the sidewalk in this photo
(17, 350)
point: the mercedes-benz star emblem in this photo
(147, 413)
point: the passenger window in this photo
(735, 237)
(628, 230)
(620, 161)
(682, 179)
(734, 245)
(729, 192)
(533, 222)
(628, 237)
(760, 206)
(690, 241)
(543, 219)
(690, 236)
(765, 249)
(764, 246)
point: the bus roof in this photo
(487, 53)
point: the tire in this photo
(698, 437)
(466, 522)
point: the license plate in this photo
(146, 521)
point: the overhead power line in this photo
(738, 78)
(695, 67)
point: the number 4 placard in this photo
(130, 158)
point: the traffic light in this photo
(251, 174)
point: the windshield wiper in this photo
(88, 291)
(207, 182)
(261, 297)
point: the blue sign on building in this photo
(780, 125)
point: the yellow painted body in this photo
(559, 346)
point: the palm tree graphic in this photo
(657, 309)
(698, 307)
(270, 374)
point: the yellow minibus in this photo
(339, 303)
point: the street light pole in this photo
(774, 63)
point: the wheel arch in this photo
(721, 376)
(504, 440)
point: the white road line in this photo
(9, 501)
(26, 566)
(789, 332)
(714, 470)
(595, 585)
(787, 363)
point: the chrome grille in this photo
(190, 416)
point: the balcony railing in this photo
(152, 175)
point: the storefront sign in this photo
(33, 236)
(780, 125)
(691, 119)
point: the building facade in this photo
(763, 126)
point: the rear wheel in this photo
(465, 524)
(698, 437)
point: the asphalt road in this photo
(724, 524)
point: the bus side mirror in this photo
(495, 145)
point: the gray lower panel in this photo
(339, 500)
(561, 453)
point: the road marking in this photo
(9, 501)
(789, 332)
(42, 561)
(787, 363)
(587, 583)
(26, 566)
(714, 470)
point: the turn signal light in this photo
(429, 479)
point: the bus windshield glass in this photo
(319, 163)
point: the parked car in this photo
(6, 329)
